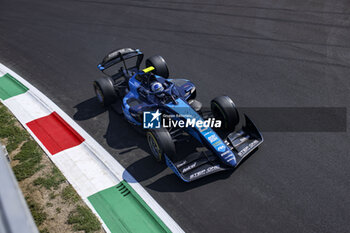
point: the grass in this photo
(69, 194)
(13, 134)
(52, 181)
(37, 211)
(29, 157)
(52, 196)
(83, 220)
(45, 230)
(29, 160)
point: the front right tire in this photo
(159, 64)
(225, 110)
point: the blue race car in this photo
(144, 96)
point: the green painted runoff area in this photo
(9, 87)
(123, 210)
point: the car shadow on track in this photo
(172, 183)
(119, 134)
(126, 139)
(88, 109)
(146, 168)
(122, 136)
(177, 185)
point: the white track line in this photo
(90, 146)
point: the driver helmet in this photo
(157, 87)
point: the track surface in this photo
(261, 53)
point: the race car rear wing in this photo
(120, 55)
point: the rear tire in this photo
(105, 92)
(225, 110)
(159, 64)
(160, 143)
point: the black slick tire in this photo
(160, 143)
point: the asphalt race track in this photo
(261, 53)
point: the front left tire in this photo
(160, 143)
(105, 91)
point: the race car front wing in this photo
(200, 164)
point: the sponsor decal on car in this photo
(186, 169)
(225, 153)
(204, 171)
(221, 148)
(212, 138)
(216, 143)
(248, 148)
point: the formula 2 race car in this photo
(139, 93)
